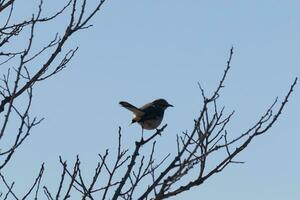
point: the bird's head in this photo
(162, 103)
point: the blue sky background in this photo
(142, 50)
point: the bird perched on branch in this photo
(150, 115)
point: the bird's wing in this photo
(147, 106)
(132, 108)
(150, 112)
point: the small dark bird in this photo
(150, 115)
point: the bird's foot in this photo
(158, 131)
(142, 139)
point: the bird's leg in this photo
(142, 134)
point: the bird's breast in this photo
(150, 124)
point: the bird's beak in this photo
(169, 105)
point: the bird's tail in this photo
(130, 107)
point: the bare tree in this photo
(26, 67)
(130, 173)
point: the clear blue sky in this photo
(143, 50)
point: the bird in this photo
(148, 116)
